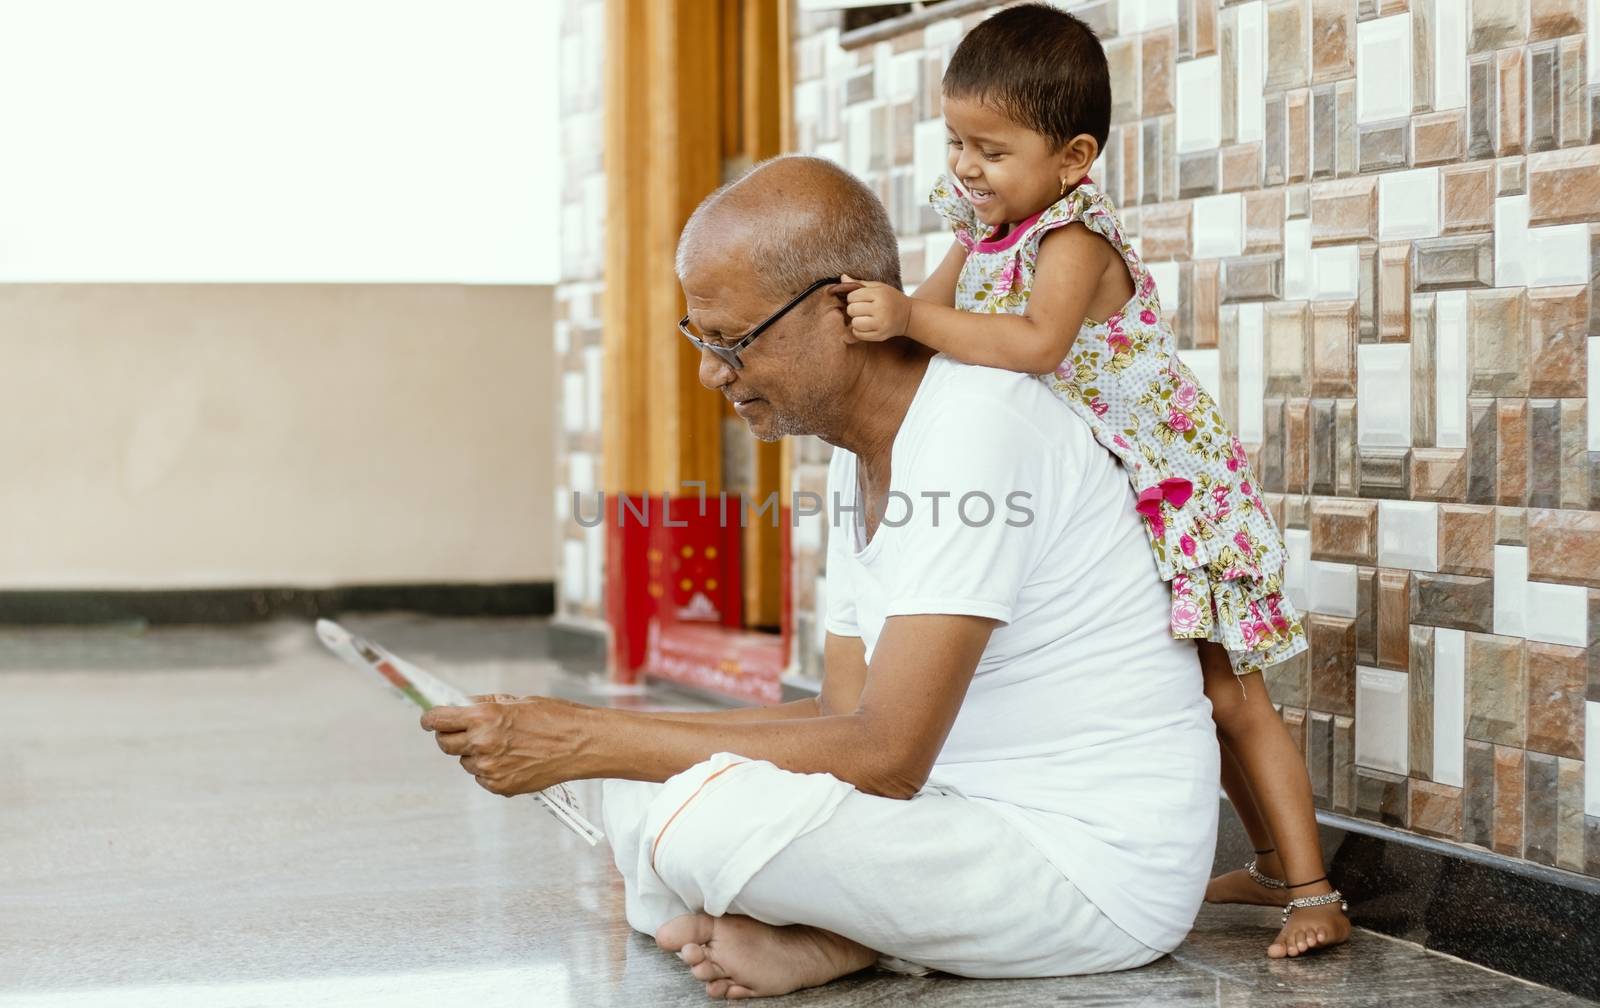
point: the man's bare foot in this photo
(1310, 928)
(1239, 887)
(740, 957)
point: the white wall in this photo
(178, 436)
(386, 141)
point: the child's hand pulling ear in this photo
(877, 311)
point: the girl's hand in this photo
(877, 311)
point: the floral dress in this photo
(1214, 540)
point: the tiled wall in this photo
(1374, 225)
(580, 552)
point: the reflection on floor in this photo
(231, 817)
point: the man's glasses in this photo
(729, 353)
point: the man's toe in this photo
(707, 970)
(680, 931)
(718, 988)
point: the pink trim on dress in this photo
(1017, 231)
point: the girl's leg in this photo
(1237, 886)
(1273, 770)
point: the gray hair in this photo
(826, 222)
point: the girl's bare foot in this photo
(1239, 887)
(1310, 928)
(740, 957)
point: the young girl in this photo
(1042, 281)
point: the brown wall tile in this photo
(1438, 474)
(1553, 18)
(1557, 680)
(1422, 46)
(1575, 483)
(1467, 195)
(1344, 100)
(1286, 326)
(1333, 40)
(1394, 292)
(1452, 600)
(1511, 176)
(1508, 800)
(1263, 216)
(1166, 232)
(1382, 797)
(1319, 757)
(1383, 146)
(1438, 137)
(1366, 616)
(1252, 278)
(1344, 210)
(1241, 169)
(1564, 186)
(1572, 126)
(1333, 663)
(1557, 325)
(1466, 540)
(1286, 41)
(1436, 809)
(1453, 261)
(1367, 292)
(1156, 65)
(1511, 452)
(1419, 703)
(1423, 366)
(1385, 473)
(1477, 825)
(1509, 67)
(1544, 453)
(1287, 681)
(1544, 93)
(1344, 751)
(1483, 111)
(1344, 531)
(1297, 109)
(1294, 722)
(1203, 300)
(1540, 806)
(1497, 334)
(1394, 613)
(1274, 139)
(1497, 23)
(1497, 686)
(1511, 526)
(1205, 28)
(1324, 450)
(1564, 546)
(1481, 456)
(1333, 348)
(1569, 815)
(1297, 446)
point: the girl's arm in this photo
(1073, 265)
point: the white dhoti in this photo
(936, 882)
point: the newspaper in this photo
(427, 691)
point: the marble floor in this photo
(230, 817)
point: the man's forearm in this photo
(806, 708)
(628, 745)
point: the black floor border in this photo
(1524, 919)
(250, 605)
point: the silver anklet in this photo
(1306, 902)
(1264, 880)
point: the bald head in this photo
(788, 222)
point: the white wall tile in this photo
(572, 402)
(1408, 535)
(594, 385)
(1383, 68)
(594, 556)
(833, 151)
(1556, 614)
(1450, 370)
(1511, 241)
(1449, 706)
(562, 505)
(1558, 255)
(1592, 47)
(1331, 588)
(936, 245)
(580, 472)
(1252, 373)
(1408, 204)
(1591, 741)
(1297, 546)
(1594, 391)
(905, 75)
(1168, 289)
(1335, 271)
(1382, 719)
(1297, 260)
(858, 138)
(561, 337)
(1450, 54)
(928, 149)
(1383, 395)
(1207, 367)
(1199, 104)
(1510, 589)
(1218, 226)
(573, 569)
(1250, 74)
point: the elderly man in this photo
(1011, 770)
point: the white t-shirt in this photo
(1086, 725)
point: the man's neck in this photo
(875, 405)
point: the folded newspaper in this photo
(427, 691)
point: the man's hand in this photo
(877, 311)
(511, 745)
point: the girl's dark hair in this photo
(1041, 67)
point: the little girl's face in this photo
(1008, 171)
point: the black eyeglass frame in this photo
(730, 354)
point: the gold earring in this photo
(1063, 190)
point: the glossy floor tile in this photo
(232, 817)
